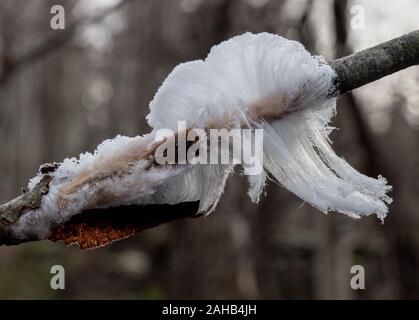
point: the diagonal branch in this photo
(111, 224)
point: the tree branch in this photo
(115, 223)
(366, 66)
(12, 210)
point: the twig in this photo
(12, 210)
(366, 66)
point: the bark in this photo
(352, 72)
(366, 66)
(12, 210)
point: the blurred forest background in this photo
(65, 99)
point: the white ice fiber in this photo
(261, 80)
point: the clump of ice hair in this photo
(282, 88)
(262, 80)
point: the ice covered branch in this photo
(12, 210)
(92, 227)
(321, 178)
